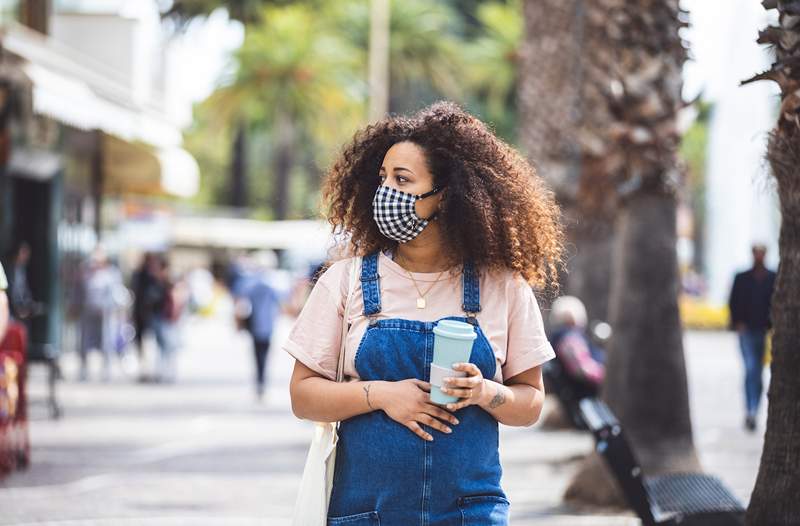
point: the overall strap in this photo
(370, 287)
(472, 290)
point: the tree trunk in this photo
(646, 376)
(637, 46)
(238, 189)
(776, 498)
(551, 93)
(284, 159)
(775, 501)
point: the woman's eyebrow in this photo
(396, 168)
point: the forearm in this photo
(512, 405)
(323, 400)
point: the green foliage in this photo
(491, 59)
(305, 62)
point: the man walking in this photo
(749, 306)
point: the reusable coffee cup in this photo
(452, 343)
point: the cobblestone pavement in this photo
(203, 452)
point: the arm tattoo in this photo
(366, 391)
(499, 398)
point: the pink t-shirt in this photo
(509, 317)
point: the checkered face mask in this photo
(395, 214)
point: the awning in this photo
(72, 102)
(142, 148)
(313, 237)
(134, 168)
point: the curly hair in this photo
(496, 211)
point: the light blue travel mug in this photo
(452, 343)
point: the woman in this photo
(451, 223)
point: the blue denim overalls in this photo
(385, 474)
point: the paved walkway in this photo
(203, 452)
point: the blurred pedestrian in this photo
(23, 306)
(148, 294)
(101, 291)
(166, 321)
(580, 360)
(749, 304)
(3, 303)
(259, 304)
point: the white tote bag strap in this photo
(351, 287)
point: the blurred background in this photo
(160, 171)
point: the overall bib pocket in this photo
(484, 510)
(369, 518)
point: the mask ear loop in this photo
(428, 194)
(435, 190)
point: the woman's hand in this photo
(408, 403)
(469, 389)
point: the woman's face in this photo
(404, 168)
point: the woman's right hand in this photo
(408, 403)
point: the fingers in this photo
(458, 393)
(459, 405)
(435, 423)
(470, 368)
(417, 430)
(469, 382)
(441, 414)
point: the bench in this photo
(685, 499)
(568, 392)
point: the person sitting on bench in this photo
(581, 361)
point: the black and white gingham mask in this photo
(395, 214)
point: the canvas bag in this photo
(311, 507)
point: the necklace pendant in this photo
(421, 303)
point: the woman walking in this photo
(451, 223)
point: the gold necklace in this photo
(421, 303)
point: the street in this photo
(203, 451)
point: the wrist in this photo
(374, 390)
(487, 393)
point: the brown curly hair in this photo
(496, 211)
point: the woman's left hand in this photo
(469, 389)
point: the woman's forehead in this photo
(407, 155)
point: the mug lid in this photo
(455, 329)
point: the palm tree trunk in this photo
(637, 46)
(238, 188)
(284, 160)
(552, 89)
(775, 501)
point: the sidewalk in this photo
(203, 452)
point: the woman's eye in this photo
(402, 180)
(382, 177)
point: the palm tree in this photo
(563, 124)
(294, 78)
(774, 501)
(622, 69)
(424, 50)
(491, 64)
(245, 11)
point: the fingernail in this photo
(448, 430)
(455, 421)
(449, 406)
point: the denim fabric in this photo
(387, 475)
(752, 343)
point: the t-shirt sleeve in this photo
(527, 342)
(3, 280)
(315, 338)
